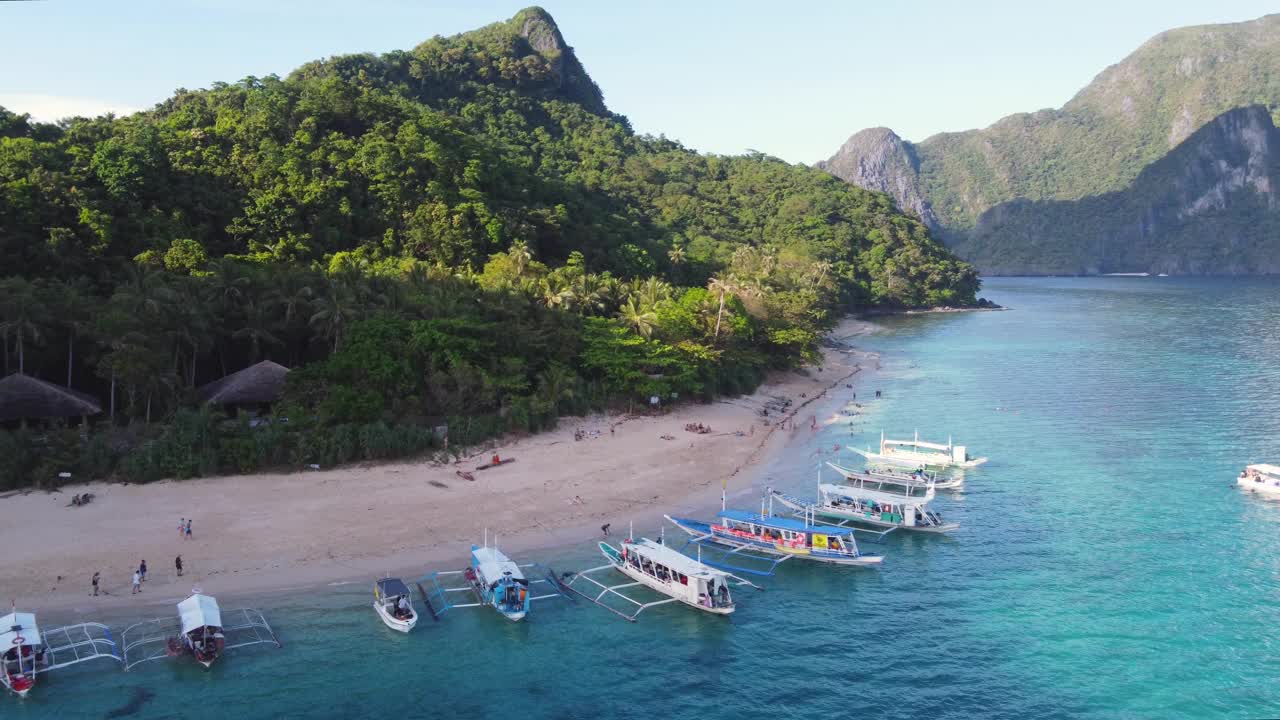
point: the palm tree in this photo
(556, 383)
(520, 256)
(676, 254)
(22, 313)
(258, 328)
(653, 291)
(641, 319)
(722, 287)
(333, 314)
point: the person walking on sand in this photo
(137, 583)
(177, 564)
(142, 571)
(182, 527)
(188, 528)
(96, 576)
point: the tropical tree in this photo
(24, 316)
(638, 317)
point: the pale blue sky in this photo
(792, 79)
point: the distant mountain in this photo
(1000, 195)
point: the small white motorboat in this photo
(392, 602)
(1261, 478)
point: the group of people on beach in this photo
(140, 573)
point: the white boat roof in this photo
(885, 478)
(19, 625)
(1266, 469)
(198, 611)
(492, 564)
(677, 561)
(885, 498)
(919, 444)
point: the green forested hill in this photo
(463, 230)
(1130, 116)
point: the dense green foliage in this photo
(459, 233)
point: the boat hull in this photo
(860, 518)
(914, 461)
(660, 587)
(700, 529)
(393, 622)
(1259, 487)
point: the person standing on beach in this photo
(177, 563)
(188, 528)
(96, 575)
(137, 583)
(142, 571)
(605, 529)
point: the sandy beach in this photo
(254, 533)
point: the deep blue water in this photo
(1106, 566)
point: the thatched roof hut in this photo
(23, 397)
(254, 385)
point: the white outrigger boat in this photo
(201, 628)
(917, 453)
(949, 482)
(662, 569)
(872, 500)
(392, 602)
(28, 652)
(1261, 478)
(495, 581)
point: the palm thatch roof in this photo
(261, 383)
(26, 397)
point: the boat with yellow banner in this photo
(761, 536)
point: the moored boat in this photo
(1261, 478)
(662, 569)
(201, 628)
(778, 537)
(917, 453)
(872, 501)
(28, 652)
(394, 605)
(495, 580)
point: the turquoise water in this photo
(1106, 566)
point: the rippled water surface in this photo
(1106, 565)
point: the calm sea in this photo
(1106, 566)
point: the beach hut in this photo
(255, 386)
(23, 398)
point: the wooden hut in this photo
(253, 387)
(23, 398)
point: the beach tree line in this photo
(460, 234)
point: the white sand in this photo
(271, 531)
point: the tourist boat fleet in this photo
(737, 542)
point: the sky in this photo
(791, 79)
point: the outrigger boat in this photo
(917, 453)
(753, 535)
(662, 569)
(28, 652)
(1261, 478)
(495, 580)
(950, 482)
(392, 602)
(201, 628)
(871, 500)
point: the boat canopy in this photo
(392, 587)
(1266, 469)
(492, 564)
(918, 444)
(199, 611)
(677, 561)
(19, 625)
(783, 523)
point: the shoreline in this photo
(256, 535)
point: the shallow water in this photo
(1106, 566)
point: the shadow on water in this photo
(140, 697)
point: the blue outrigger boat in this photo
(779, 539)
(495, 580)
